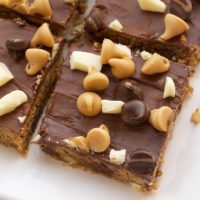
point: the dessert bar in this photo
(29, 58)
(56, 13)
(169, 26)
(116, 120)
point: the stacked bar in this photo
(113, 108)
(131, 147)
(142, 25)
(28, 59)
(57, 13)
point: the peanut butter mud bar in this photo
(169, 26)
(113, 110)
(28, 60)
(55, 12)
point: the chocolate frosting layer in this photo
(145, 24)
(63, 120)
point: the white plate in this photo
(40, 177)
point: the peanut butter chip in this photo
(99, 139)
(110, 50)
(155, 64)
(3, 2)
(19, 5)
(41, 7)
(196, 116)
(95, 81)
(174, 26)
(160, 118)
(79, 142)
(43, 36)
(37, 59)
(122, 68)
(89, 104)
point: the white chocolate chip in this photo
(170, 89)
(11, 101)
(5, 74)
(125, 49)
(117, 157)
(112, 107)
(21, 119)
(145, 55)
(152, 5)
(36, 139)
(83, 60)
(116, 25)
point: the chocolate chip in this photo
(135, 113)
(127, 90)
(181, 8)
(17, 44)
(141, 162)
(94, 22)
(17, 48)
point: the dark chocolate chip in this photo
(135, 113)
(141, 162)
(181, 8)
(17, 44)
(94, 22)
(127, 90)
(17, 48)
